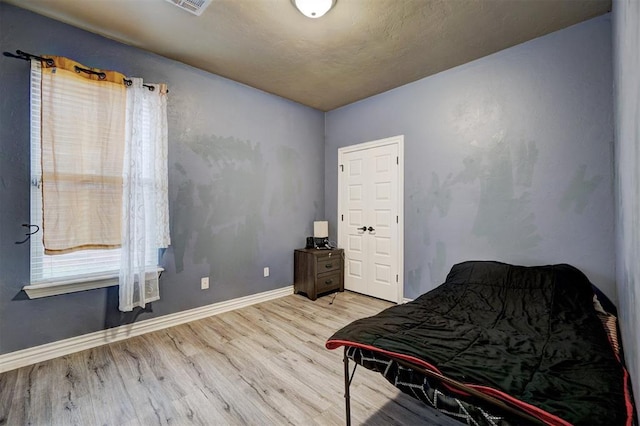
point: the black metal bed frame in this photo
(499, 404)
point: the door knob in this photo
(364, 228)
(371, 229)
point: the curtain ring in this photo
(100, 74)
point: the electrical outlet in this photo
(204, 283)
(266, 271)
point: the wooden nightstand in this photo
(317, 271)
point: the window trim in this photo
(75, 284)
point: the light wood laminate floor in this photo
(261, 365)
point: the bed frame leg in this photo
(347, 383)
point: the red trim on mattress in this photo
(627, 397)
(539, 413)
(612, 334)
(627, 391)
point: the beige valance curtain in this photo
(83, 134)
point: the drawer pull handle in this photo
(327, 282)
(328, 265)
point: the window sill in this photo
(62, 286)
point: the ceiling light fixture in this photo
(313, 8)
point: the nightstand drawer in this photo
(331, 281)
(327, 264)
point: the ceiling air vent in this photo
(193, 6)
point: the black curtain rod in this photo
(102, 76)
(28, 56)
(130, 82)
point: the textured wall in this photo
(507, 158)
(626, 54)
(245, 183)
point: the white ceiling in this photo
(359, 49)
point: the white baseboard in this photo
(406, 300)
(52, 350)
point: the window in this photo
(93, 268)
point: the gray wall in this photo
(245, 183)
(626, 54)
(507, 158)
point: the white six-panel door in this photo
(369, 213)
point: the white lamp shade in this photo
(321, 229)
(314, 8)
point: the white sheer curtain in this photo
(145, 226)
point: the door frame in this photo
(399, 142)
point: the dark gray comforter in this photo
(527, 334)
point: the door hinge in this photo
(341, 168)
(396, 277)
(397, 160)
(397, 219)
(341, 218)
